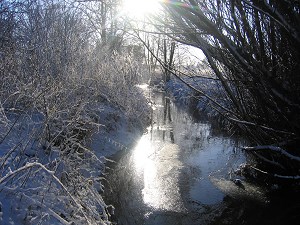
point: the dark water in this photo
(179, 173)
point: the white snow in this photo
(43, 183)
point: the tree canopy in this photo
(253, 48)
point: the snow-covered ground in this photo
(185, 95)
(120, 132)
(59, 181)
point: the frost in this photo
(274, 149)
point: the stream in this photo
(179, 172)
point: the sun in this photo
(138, 9)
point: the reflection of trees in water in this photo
(167, 118)
(167, 110)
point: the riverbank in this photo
(60, 180)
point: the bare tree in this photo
(253, 48)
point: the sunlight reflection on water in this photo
(142, 152)
(160, 168)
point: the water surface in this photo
(179, 173)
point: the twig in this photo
(276, 175)
(274, 149)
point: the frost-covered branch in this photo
(277, 175)
(281, 21)
(47, 209)
(273, 149)
(261, 126)
(12, 174)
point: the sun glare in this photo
(140, 8)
